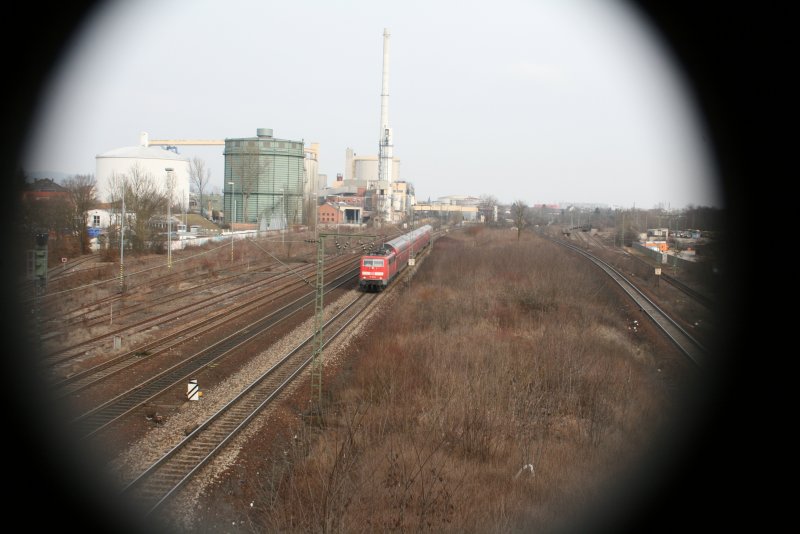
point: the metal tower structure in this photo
(37, 272)
(319, 314)
(319, 321)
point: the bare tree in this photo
(83, 194)
(518, 212)
(199, 176)
(248, 168)
(143, 199)
(310, 204)
(487, 205)
(48, 214)
(116, 188)
(59, 212)
(183, 204)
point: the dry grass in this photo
(498, 395)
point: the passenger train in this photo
(380, 268)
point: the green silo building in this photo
(264, 179)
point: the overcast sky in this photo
(550, 101)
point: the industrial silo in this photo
(264, 180)
(143, 162)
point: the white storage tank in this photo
(150, 162)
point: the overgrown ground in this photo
(505, 391)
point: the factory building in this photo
(464, 207)
(142, 163)
(331, 213)
(265, 181)
(403, 197)
(359, 170)
(362, 173)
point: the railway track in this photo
(208, 323)
(230, 305)
(99, 418)
(70, 268)
(695, 295)
(51, 298)
(683, 340)
(154, 486)
(98, 312)
(685, 289)
(290, 279)
(56, 275)
(87, 315)
(164, 478)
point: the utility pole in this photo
(170, 180)
(122, 243)
(233, 219)
(319, 320)
(285, 220)
(38, 272)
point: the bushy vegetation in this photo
(500, 393)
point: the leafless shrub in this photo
(500, 394)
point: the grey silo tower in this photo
(264, 179)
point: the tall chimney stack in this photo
(385, 85)
(385, 156)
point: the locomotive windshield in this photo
(373, 263)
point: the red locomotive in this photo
(380, 268)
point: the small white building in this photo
(99, 218)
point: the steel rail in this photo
(91, 376)
(67, 353)
(165, 477)
(91, 422)
(682, 339)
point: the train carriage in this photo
(380, 268)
